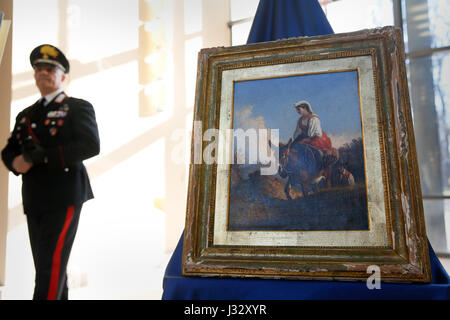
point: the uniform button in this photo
(66, 169)
(33, 125)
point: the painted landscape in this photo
(260, 202)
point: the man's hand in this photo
(32, 152)
(20, 165)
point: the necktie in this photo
(39, 110)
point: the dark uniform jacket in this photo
(66, 131)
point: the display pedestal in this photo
(178, 287)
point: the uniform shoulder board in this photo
(60, 98)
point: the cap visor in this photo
(48, 61)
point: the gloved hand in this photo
(33, 152)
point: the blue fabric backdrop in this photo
(276, 20)
(177, 287)
(288, 18)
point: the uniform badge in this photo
(60, 98)
(53, 131)
(56, 114)
(47, 51)
(47, 122)
(60, 122)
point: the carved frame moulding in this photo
(243, 223)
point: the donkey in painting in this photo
(304, 165)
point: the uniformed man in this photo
(50, 140)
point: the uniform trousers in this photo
(51, 237)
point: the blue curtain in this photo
(288, 18)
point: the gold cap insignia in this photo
(48, 51)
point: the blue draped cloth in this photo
(288, 18)
(177, 287)
(277, 20)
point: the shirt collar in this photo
(49, 97)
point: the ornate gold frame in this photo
(404, 258)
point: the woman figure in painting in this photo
(309, 131)
(308, 128)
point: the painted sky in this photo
(268, 103)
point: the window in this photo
(426, 34)
(241, 14)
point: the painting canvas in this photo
(304, 163)
(291, 201)
(323, 116)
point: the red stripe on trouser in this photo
(56, 264)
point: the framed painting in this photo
(304, 163)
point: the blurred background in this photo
(136, 62)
